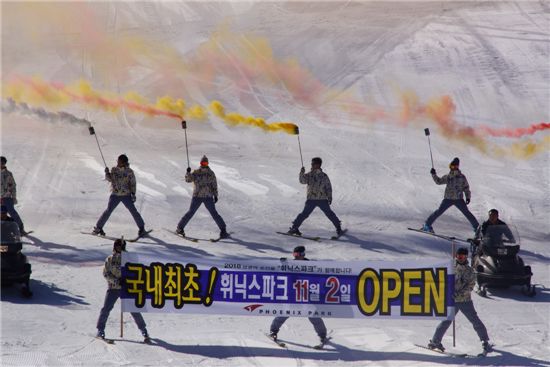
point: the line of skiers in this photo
(205, 191)
(319, 194)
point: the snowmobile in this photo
(15, 267)
(496, 261)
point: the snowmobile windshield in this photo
(498, 235)
(10, 236)
(9, 233)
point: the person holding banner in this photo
(112, 273)
(457, 187)
(205, 192)
(299, 253)
(465, 281)
(319, 194)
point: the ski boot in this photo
(436, 345)
(427, 228)
(146, 338)
(487, 348)
(273, 335)
(142, 232)
(98, 232)
(180, 231)
(294, 231)
(100, 334)
(224, 234)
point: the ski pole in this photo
(427, 132)
(184, 127)
(299, 145)
(92, 132)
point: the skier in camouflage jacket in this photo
(112, 273)
(9, 193)
(319, 194)
(123, 190)
(465, 281)
(205, 192)
(457, 187)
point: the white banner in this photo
(258, 287)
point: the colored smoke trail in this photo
(38, 92)
(236, 119)
(52, 94)
(10, 106)
(245, 62)
(441, 111)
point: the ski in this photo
(339, 235)
(112, 238)
(322, 344)
(317, 239)
(105, 340)
(141, 236)
(192, 239)
(448, 238)
(219, 238)
(450, 354)
(279, 343)
(97, 235)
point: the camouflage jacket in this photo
(8, 184)
(204, 181)
(111, 270)
(123, 181)
(318, 185)
(456, 185)
(465, 280)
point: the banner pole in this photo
(453, 251)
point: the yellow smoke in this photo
(237, 119)
(38, 92)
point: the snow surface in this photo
(491, 58)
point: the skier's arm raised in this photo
(303, 177)
(189, 176)
(108, 174)
(440, 180)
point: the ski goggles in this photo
(461, 256)
(453, 166)
(204, 164)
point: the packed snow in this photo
(349, 61)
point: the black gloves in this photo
(106, 170)
(432, 171)
(329, 201)
(467, 201)
(188, 169)
(303, 170)
(133, 197)
(215, 199)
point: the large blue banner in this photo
(258, 287)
